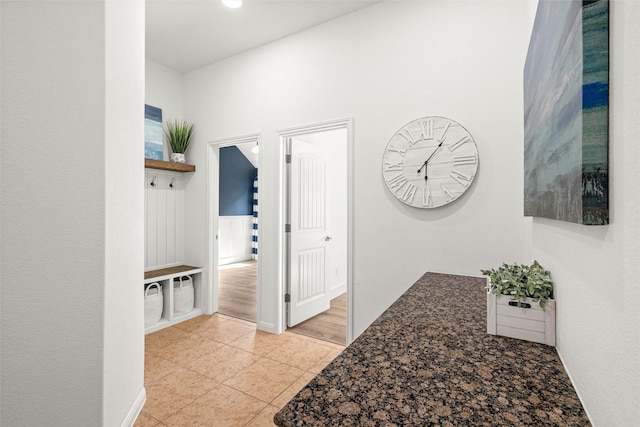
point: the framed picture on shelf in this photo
(153, 141)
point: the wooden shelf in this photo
(171, 271)
(168, 166)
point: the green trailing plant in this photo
(178, 134)
(520, 282)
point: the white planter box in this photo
(531, 324)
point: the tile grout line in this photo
(326, 349)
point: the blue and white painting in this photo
(566, 111)
(153, 146)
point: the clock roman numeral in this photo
(469, 159)
(446, 128)
(388, 166)
(409, 193)
(400, 151)
(457, 144)
(397, 181)
(446, 191)
(406, 134)
(460, 177)
(426, 129)
(426, 196)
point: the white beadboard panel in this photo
(175, 218)
(146, 250)
(224, 239)
(234, 238)
(161, 215)
(311, 273)
(151, 217)
(170, 240)
(179, 220)
(311, 178)
(164, 219)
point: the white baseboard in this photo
(234, 259)
(134, 412)
(586, 411)
(337, 290)
(267, 327)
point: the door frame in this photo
(283, 135)
(213, 219)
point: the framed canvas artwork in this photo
(566, 112)
(153, 141)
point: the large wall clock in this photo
(430, 162)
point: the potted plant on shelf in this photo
(178, 134)
(520, 302)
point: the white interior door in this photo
(308, 240)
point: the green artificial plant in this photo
(178, 134)
(521, 281)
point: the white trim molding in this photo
(135, 410)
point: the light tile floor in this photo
(220, 371)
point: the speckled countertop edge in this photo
(427, 360)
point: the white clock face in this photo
(430, 162)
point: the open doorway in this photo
(233, 204)
(317, 232)
(238, 227)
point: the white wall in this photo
(123, 149)
(596, 269)
(163, 89)
(71, 351)
(384, 66)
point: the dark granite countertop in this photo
(428, 360)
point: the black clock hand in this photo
(434, 152)
(424, 165)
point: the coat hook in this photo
(153, 181)
(172, 181)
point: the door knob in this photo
(327, 238)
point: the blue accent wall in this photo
(236, 183)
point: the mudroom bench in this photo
(165, 277)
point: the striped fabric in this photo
(254, 238)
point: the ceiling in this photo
(188, 34)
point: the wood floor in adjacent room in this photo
(327, 326)
(237, 285)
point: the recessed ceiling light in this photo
(233, 4)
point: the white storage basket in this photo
(153, 302)
(183, 295)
